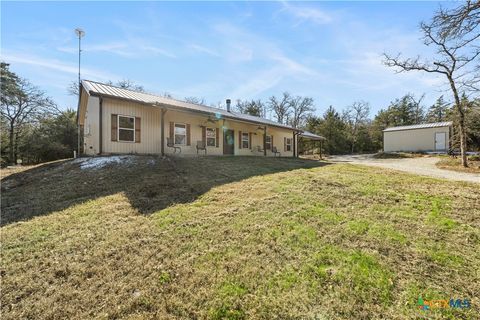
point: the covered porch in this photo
(310, 144)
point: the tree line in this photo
(34, 130)
(353, 129)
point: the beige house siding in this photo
(150, 141)
(414, 140)
(91, 129)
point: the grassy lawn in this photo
(235, 238)
(455, 164)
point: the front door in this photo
(228, 141)
(440, 138)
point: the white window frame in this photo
(248, 140)
(175, 134)
(266, 142)
(289, 144)
(118, 128)
(214, 136)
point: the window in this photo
(268, 142)
(126, 129)
(211, 137)
(180, 133)
(245, 138)
(289, 144)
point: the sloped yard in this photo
(235, 238)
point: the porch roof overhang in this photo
(311, 136)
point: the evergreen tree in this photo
(332, 127)
(438, 111)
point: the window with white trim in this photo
(180, 133)
(245, 140)
(268, 142)
(211, 137)
(289, 144)
(126, 129)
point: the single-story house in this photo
(115, 120)
(418, 138)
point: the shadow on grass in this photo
(150, 183)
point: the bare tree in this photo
(458, 22)
(27, 105)
(127, 84)
(301, 108)
(72, 88)
(280, 107)
(251, 107)
(195, 100)
(456, 53)
(356, 115)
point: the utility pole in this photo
(80, 33)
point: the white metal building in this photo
(418, 138)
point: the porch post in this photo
(162, 128)
(294, 144)
(100, 125)
(265, 141)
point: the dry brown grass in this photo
(7, 171)
(398, 155)
(240, 238)
(455, 164)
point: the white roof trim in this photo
(420, 126)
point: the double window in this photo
(268, 142)
(288, 144)
(245, 140)
(211, 137)
(180, 133)
(126, 129)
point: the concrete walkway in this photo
(424, 166)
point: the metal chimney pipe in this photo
(229, 102)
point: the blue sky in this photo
(330, 51)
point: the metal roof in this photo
(420, 126)
(312, 136)
(97, 88)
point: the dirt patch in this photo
(396, 155)
(425, 166)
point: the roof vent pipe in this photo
(228, 104)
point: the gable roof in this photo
(106, 90)
(420, 126)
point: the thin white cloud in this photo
(203, 49)
(156, 50)
(124, 49)
(53, 64)
(292, 65)
(246, 48)
(117, 48)
(258, 83)
(306, 13)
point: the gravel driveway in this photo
(424, 166)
